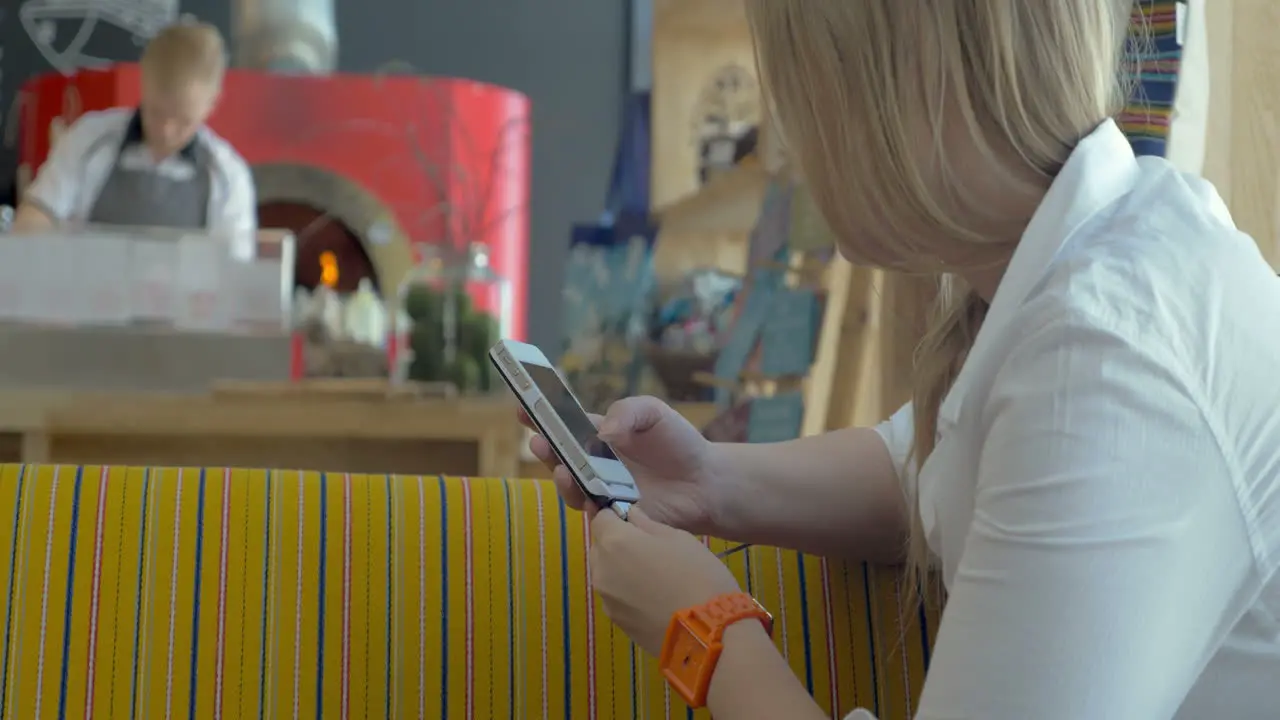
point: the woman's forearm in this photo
(752, 680)
(835, 494)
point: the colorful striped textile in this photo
(1155, 53)
(216, 593)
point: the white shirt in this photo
(69, 182)
(1104, 498)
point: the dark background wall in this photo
(569, 56)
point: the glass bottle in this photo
(365, 315)
(452, 307)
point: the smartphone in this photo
(560, 418)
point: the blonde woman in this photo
(1096, 420)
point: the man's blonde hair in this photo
(188, 52)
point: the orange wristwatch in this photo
(693, 643)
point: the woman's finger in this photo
(568, 489)
(541, 449)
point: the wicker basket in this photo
(677, 370)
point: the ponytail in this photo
(953, 324)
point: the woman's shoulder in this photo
(1165, 278)
(1166, 256)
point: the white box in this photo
(200, 293)
(60, 296)
(16, 285)
(103, 273)
(153, 267)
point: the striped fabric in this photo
(135, 593)
(1155, 53)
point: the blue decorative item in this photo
(741, 343)
(776, 419)
(780, 320)
(609, 276)
(788, 335)
(769, 237)
(768, 279)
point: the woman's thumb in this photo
(629, 416)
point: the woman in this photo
(1095, 420)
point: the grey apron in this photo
(149, 197)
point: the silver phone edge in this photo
(510, 381)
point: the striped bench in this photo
(219, 593)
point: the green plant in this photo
(476, 331)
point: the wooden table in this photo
(457, 436)
(464, 436)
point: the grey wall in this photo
(569, 56)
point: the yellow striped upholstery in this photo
(135, 593)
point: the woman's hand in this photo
(645, 572)
(673, 465)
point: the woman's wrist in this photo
(745, 637)
(721, 486)
(835, 494)
(753, 680)
(738, 484)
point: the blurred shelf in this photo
(728, 203)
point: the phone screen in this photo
(571, 413)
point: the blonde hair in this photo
(873, 96)
(188, 52)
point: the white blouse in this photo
(1104, 498)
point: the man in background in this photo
(154, 165)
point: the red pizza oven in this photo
(359, 166)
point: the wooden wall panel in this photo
(1243, 148)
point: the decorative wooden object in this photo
(704, 87)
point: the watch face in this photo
(687, 662)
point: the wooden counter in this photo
(427, 436)
(462, 436)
